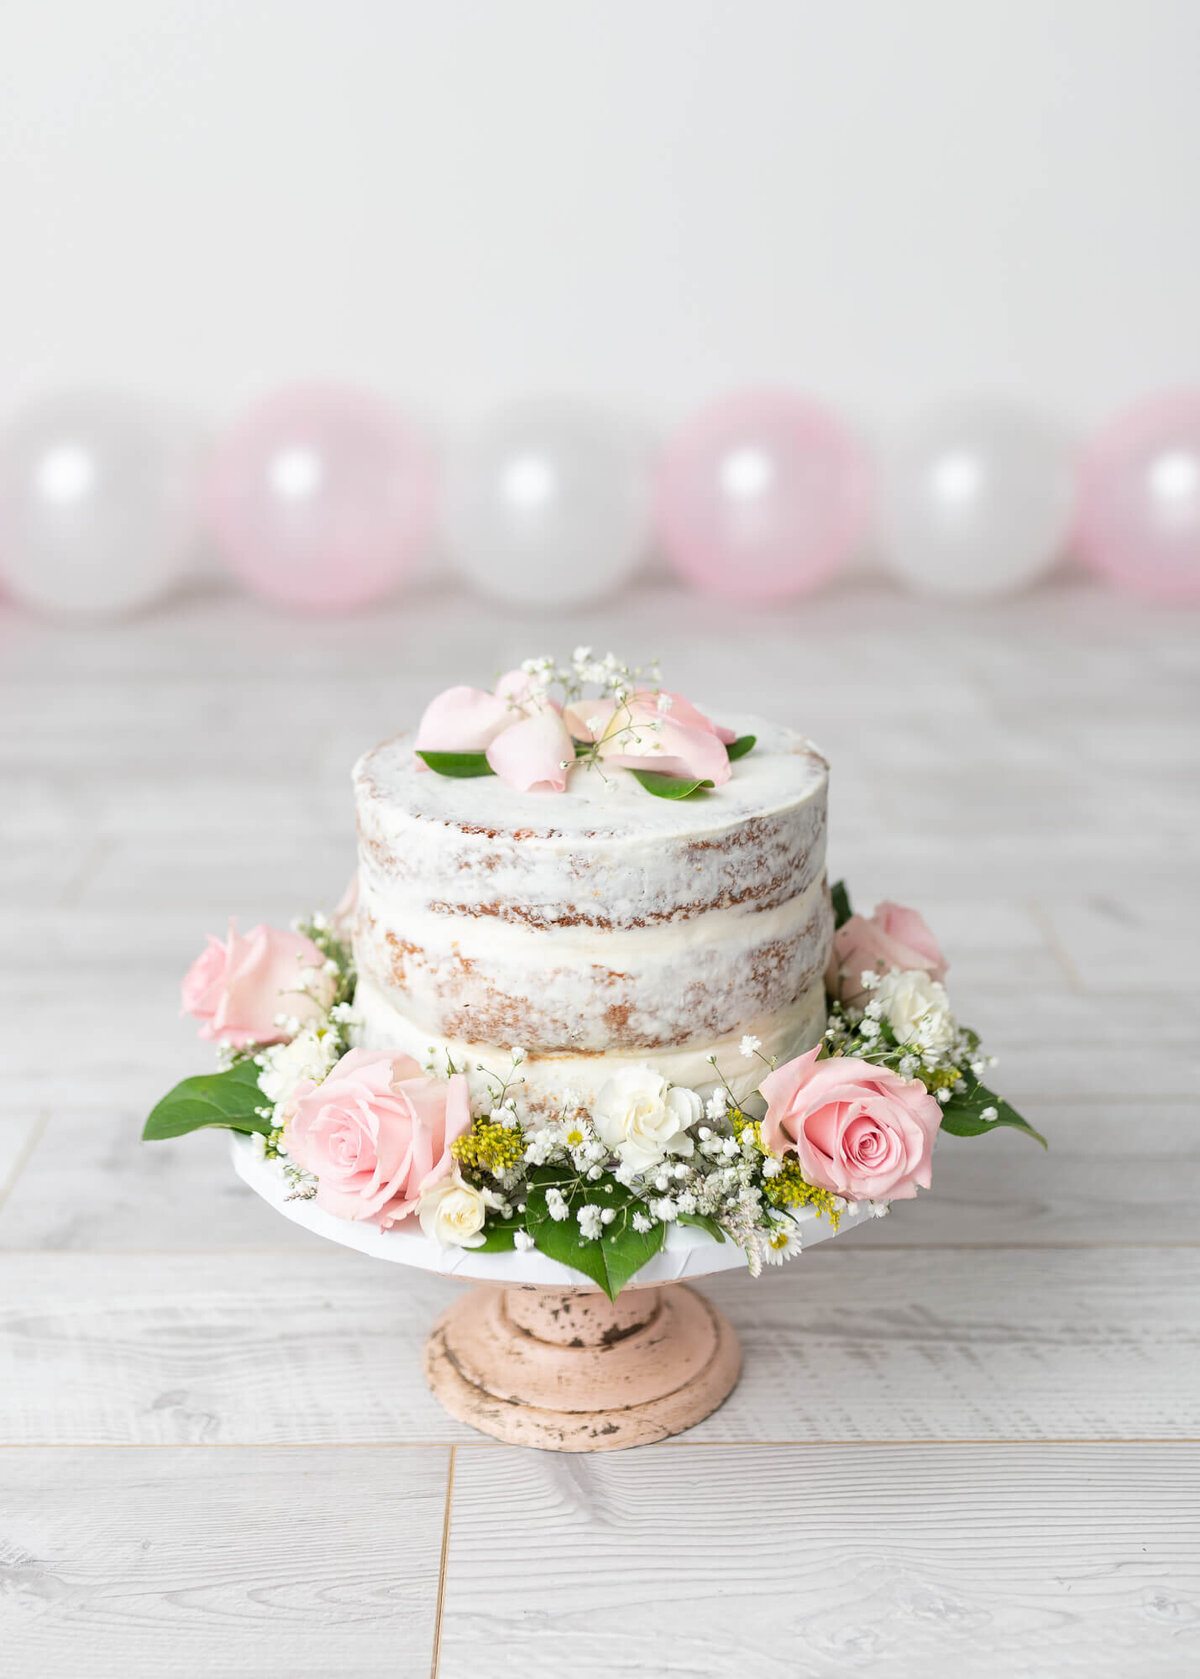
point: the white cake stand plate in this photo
(538, 1356)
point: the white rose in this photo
(642, 1118)
(452, 1212)
(309, 1055)
(917, 1009)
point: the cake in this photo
(590, 1019)
(592, 1005)
(595, 929)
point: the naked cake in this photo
(595, 929)
(591, 1005)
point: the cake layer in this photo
(545, 1079)
(596, 923)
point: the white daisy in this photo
(782, 1242)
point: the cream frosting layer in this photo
(548, 1079)
(599, 924)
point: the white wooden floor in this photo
(967, 1442)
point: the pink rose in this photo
(375, 1133)
(858, 1130)
(519, 728)
(641, 734)
(238, 990)
(894, 937)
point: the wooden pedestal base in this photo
(571, 1371)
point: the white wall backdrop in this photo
(645, 200)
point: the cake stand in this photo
(535, 1354)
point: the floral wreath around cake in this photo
(374, 1136)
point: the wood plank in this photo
(843, 1344)
(156, 1564)
(197, 1348)
(1132, 1046)
(91, 1184)
(1123, 939)
(1115, 1172)
(913, 1562)
(18, 1133)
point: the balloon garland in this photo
(324, 498)
(320, 498)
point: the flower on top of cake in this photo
(540, 721)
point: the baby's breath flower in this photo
(590, 1221)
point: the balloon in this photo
(977, 500)
(97, 503)
(1140, 499)
(761, 496)
(548, 505)
(321, 498)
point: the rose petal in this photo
(461, 720)
(580, 716)
(673, 750)
(531, 753)
(908, 928)
(823, 1128)
(683, 711)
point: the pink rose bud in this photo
(856, 1130)
(239, 989)
(894, 937)
(375, 1133)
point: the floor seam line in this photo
(24, 1154)
(441, 1590)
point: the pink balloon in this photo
(761, 496)
(321, 497)
(1140, 499)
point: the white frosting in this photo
(546, 1079)
(597, 927)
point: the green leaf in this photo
(669, 786)
(625, 1250)
(228, 1098)
(563, 1242)
(583, 747)
(963, 1114)
(609, 1260)
(498, 1236)
(841, 904)
(738, 748)
(461, 765)
(703, 1222)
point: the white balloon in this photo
(97, 504)
(977, 500)
(548, 504)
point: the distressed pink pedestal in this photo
(571, 1371)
